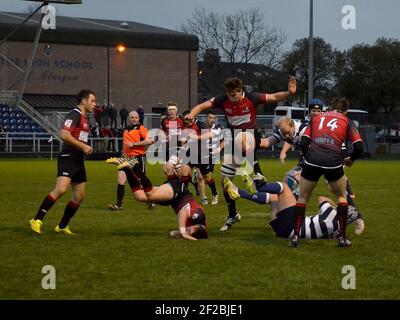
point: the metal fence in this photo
(378, 138)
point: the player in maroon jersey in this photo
(240, 111)
(171, 127)
(174, 192)
(321, 143)
(70, 163)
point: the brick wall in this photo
(137, 76)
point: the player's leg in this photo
(120, 191)
(61, 187)
(234, 193)
(202, 188)
(337, 181)
(78, 194)
(208, 178)
(309, 179)
(228, 169)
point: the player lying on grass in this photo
(192, 219)
(323, 225)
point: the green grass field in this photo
(128, 255)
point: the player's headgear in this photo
(315, 104)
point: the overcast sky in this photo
(374, 18)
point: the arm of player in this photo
(268, 142)
(183, 217)
(198, 109)
(357, 152)
(283, 95)
(69, 139)
(305, 144)
(285, 149)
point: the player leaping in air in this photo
(240, 111)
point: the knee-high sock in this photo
(259, 197)
(274, 188)
(69, 212)
(213, 188)
(256, 166)
(231, 205)
(300, 213)
(342, 210)
(120, 194)
(47, 203)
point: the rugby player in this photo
(323, 225)
(321, 146)
(70, 164)
(240, 111)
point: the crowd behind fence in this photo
(381, 134)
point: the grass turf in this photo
(127, 255)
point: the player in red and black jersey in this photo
(171, 131)
(70, 164)
(174, 192)
(240, 111)
(322, 142)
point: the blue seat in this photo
(19, 114)
(6, 121)
(27, 121)
(27, 128)
(12, 114)
(13, 121)
(6, 115)
(13, 128)
(20, 121)
(1, 121)
(20, 128)
(6, 128)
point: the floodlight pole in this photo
(311, 56)
(28, 70)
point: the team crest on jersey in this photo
(195, 216)
(68, 123)
(246, 109)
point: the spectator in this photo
(105, 119)
(113, 116)
(140, 111)
(95, 131)
(123, 113)
(97, 114)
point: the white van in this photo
(359, 117)
(296, 113)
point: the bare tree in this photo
(241, 37)
(31, 8)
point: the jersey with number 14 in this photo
(328, 131)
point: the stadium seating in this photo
(14, 120)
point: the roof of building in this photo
(97, 32)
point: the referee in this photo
(135, 141)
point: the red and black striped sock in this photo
(69, 212)
(300, 213)
(47, 203)
(342, 210)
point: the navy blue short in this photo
(284, 223)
